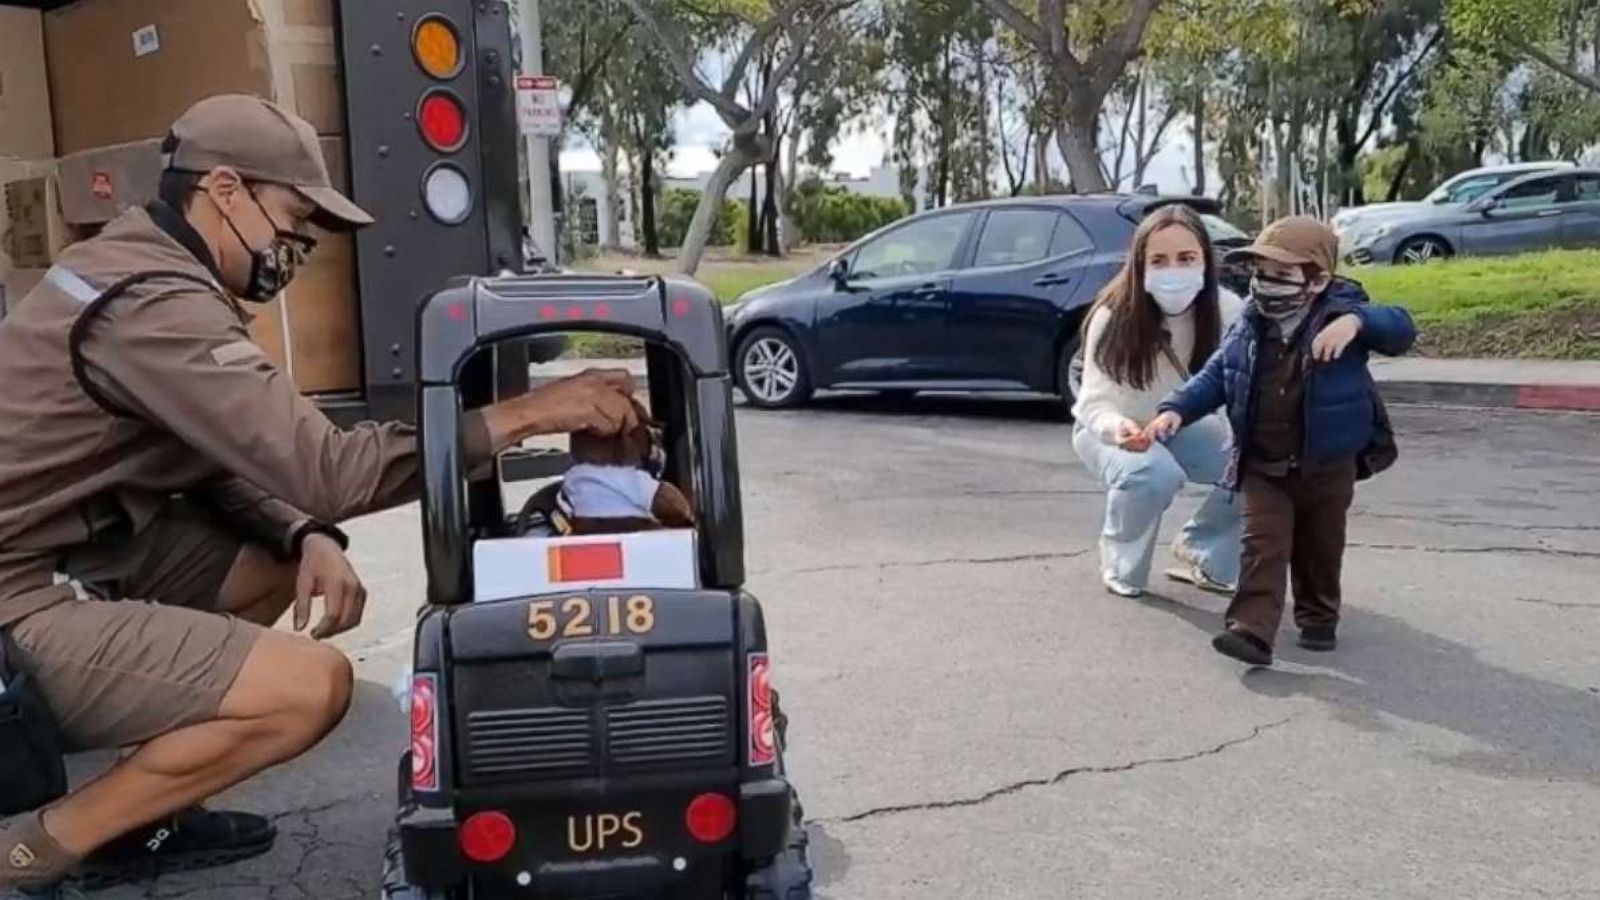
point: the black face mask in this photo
(1279, 298)
(272, 268)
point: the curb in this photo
(1481, 395)
(1549, 397)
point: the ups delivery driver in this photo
(166, 495)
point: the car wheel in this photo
(772, 370)
(1421, 250)
(1064, 376)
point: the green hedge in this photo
(677, 211)
(829, 214)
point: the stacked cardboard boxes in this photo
(31, 228)
(102, 80)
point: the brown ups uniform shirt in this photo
(205, 413)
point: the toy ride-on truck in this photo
(590, 716)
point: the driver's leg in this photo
(211, 700)
(264, 719)
(258, 588)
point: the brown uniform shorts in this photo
(117, 671)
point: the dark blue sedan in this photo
(981, 297)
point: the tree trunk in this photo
(769, 209)
(945, 128)
(611, 210)
(985, 135)
(1199, 139)
(1398, 181)
(647, 203)
(1077, 145)
(785, 203)
(736, 160)
(752, 231)
(1041, 162)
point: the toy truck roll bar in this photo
(691, 392)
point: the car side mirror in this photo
(839, 272)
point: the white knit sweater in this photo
(1102, 403)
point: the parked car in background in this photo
(981, 297)
(1458, 190)
(1542, 211)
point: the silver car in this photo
(1463, 187)
(1541, 211)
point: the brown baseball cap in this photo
(1295, 241)
(263, 142)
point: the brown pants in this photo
(1292, 523)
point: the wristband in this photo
(315, 527)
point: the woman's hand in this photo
(1164, 426)
(1131, 437)
(1332, 340)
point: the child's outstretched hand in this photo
(1332, 341)
(1131, 437)
(1163, 426)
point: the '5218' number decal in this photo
(575, 617)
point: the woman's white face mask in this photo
(1174, 288)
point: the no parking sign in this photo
(539, 105)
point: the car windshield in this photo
(1221, 230)
(1466, 190)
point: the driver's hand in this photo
(597, 400)
(326, 573)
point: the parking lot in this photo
(973, 716)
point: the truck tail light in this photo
(763, 729)
(710, 818)
(437, 47)
(447, 194)
(425, 732)
(443, 120)
(487, 837)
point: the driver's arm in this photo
(183, 360)
(257, 515)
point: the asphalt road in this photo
(975, 717)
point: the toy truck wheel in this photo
(394, 882)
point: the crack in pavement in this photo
(1019, 786)
(1477, 523)
(928, 563)
(1557, 604)
(1508, 550)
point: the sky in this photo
(699, 131)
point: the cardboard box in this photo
(17, 284)
(26, 131)
(124, 70)
(35, 231)
(16, 170)
(98, 184)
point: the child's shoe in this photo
(1243, 646)
(1319, 638)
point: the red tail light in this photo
(487, 837)
(443, 121)
(425, 732)
(710, 818)
(763, 736)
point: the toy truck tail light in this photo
(585, 562)
(487, 837)
(710, 818)
(425, 732)
(437, 47)
(763, 736)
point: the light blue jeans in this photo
(1140, 487)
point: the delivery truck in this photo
(415, 103)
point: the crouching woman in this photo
(1152, 327)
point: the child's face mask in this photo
(1279, 298)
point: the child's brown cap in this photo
(1295, 241)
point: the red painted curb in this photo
(1550, 396)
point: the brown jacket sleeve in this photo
(255, 513)
(183, 360)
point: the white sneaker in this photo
(1193, 574)
(1121, 588)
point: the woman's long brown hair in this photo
(1134, 338)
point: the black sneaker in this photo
(57, 892)
(1320, 638)
(1243, 646)
(192, 839)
